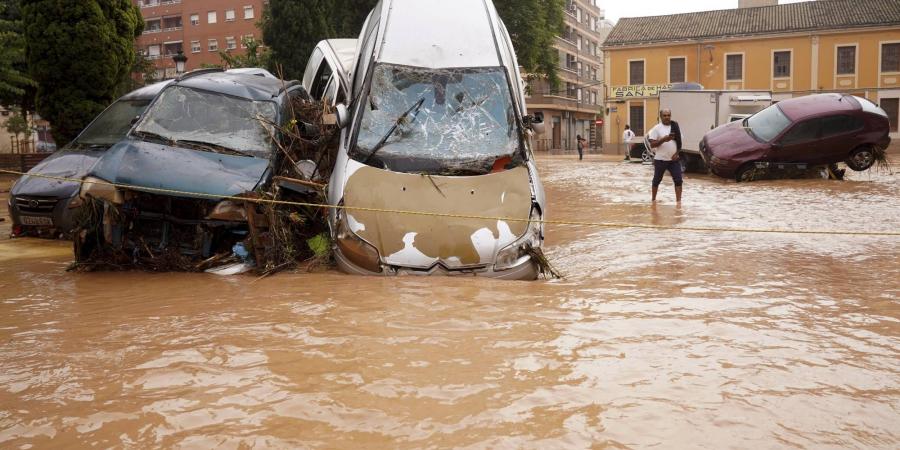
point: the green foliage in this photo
(17, 124)
(292, 28)
(533, 25)
(255, 56)
(15, 85)
(81, 55)
(320, 245)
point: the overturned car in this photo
(437, 126)
(171, 195)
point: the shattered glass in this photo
(455, 117)
(110, 126)
(184, 114)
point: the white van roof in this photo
(438, 34)
(345, 50)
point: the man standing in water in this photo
(580, 144)
(665, 137)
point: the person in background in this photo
(627, 137)
(580, 146)
(665, 137)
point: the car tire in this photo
(861, 158)
(685, 163)
(745, 173)
(646, 156)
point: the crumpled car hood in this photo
(420, 241)
(156, 166)
(731, 139)
(72, 164)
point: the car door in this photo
(800, 143)
(839, 136)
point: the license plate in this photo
(37, 220)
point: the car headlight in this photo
(717, 161)
(101, 190)
(518, 252)
(354, 248)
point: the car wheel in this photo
(646, 156)
(685, 163)
(861, 158)
(747, 172)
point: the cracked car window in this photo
(110, 127)
(453, 115)
(187, 114)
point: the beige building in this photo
(846, 46)
(574, 107)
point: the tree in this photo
(255, 56)
(80, 54)
(15, 85)
(533, 26)
(16, 125)
(292, 28)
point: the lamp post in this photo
(180, 61)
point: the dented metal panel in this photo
(421, 241)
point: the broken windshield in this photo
(190, 115)
(452, 117)
(111, 125)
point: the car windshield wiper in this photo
(151, 135)
(416, 106)
(209, 146)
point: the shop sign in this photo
(639, 90)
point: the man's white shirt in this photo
(628, 136)
(666, 150)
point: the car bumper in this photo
(41, 216)
(526, 270)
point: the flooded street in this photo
(654, 338)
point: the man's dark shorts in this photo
(660, 167)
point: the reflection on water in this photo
(672, 338)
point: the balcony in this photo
(155, 3)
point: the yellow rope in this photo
(464, 216)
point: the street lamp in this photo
(180, 61)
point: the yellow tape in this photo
(466, 216)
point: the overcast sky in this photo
(616, 9)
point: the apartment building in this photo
(847, 46)
(574, 107)
(199, 28)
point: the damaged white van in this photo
(436, 124)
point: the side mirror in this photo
(343, 115)
(535, 122)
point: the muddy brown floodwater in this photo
(673, 339)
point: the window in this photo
(781, 64)
(890, 57)
(195, 46)
(836, 125)
(892, 107)
(636, 117)
(229, 15)
(153, 51)
(734, 67)
(248, 38)
(248, 12)
(211, 17)
(676, 70)
(230, 43)
(195, 19)
(213, 45)
(635, 72)
(846, 60)
(803, 132)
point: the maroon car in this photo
(816, 129)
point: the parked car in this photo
(436, 124)
(811, 130)
(44, 207)
(208, 135)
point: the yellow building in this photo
(850, 46)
